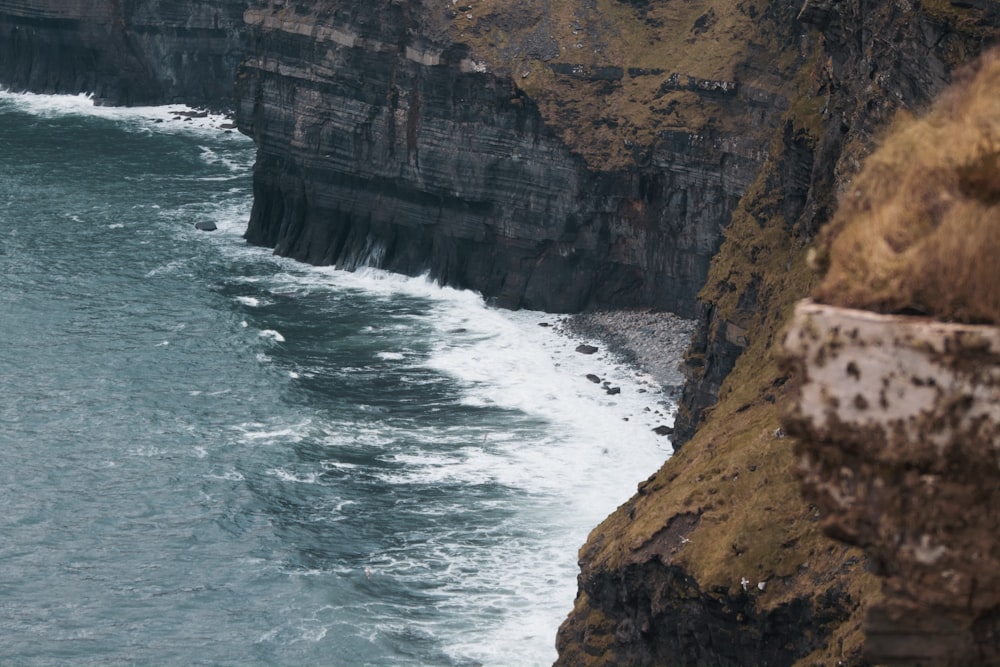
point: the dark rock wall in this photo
(382, 147)
(123, 51)
(736, 474)
(879, 57)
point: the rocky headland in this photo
(896, 373)
(572, 155)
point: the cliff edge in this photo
(896, 402)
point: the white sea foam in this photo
(256, 432)
(584, 457)
(286, 476)
(171, 267)
(164, 118)
(228, 476)
(273, 335)
(211, 157)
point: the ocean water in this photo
(213, 456)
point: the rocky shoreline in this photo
(653, 342)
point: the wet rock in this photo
(586, 349)
(205, 225)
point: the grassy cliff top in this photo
(919, 229)
(611, 75)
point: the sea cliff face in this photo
(722, 527)
(564, 155)
(385, 138)
(123, 51)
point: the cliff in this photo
(123, 51)
(563, 155)
(897, 410)
(706, 564)
(529, 151)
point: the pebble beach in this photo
(653, 342)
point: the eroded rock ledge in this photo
(899, 421)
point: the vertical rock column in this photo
(898, 420)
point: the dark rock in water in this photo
(614, 390)
(663, 430)
(586, 349)
(544, 324)
(459, 330)
(206, 226)
(593, 378)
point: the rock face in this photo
(385, 140)
(898, 416)
(878, 58)
(899, 420)
(725, 508)
(123, 51)
(564, 155)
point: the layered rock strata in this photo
(123, 51)
(386, 140)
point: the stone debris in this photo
(654, 342)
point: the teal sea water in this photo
(213, 456)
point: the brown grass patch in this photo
(919, 229)
(609, 123)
